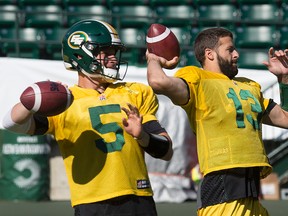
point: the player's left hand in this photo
(133, 123)
(278, 64)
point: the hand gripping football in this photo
(162, 42)
(47, 98)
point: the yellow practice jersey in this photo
(226, 118)
(102, 161)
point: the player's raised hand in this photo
(164, 63)
(278, 63)
(133, 123)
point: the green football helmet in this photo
(84, 41)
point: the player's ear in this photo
(209, 54)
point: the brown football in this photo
(162, 42)
(47, 98)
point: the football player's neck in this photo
(89, 83)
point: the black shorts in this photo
(129, 205)
(228, 185)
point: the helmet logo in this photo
(76, 38)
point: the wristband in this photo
(158, 145)
(284, 96)
(9, 124)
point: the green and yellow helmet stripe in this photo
(114, 34)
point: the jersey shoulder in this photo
(247, 81)
(135, 86)
(195, 74)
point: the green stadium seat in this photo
(171, 2)
(23, 3)
(183, 35)
(7, 36)
(284, 8)
(67, 3)
(175, 15)
(188, 58)
(25, 45)
(77, 13)
(260, 13)
(135, 41)
(140, 16)
(112, 3)
(257, 37)
(195, 30)
(7, 33)
(8, 2)
(207, 2)
(132, 37)
(258, 1)
(43, 16)
(53, 42)
(8, 15)
(217, 15)
(284, 37)
(252, 59)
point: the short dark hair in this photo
(208, 38)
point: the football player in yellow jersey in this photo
(225, 113)
(103, 135)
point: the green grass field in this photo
(63, 208)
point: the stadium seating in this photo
(53, 40)
(257, 36)
(132, 36)
(258, 1)
(252, 58)
(283, 37)
(132, 16)
(256, 24)
(23, 3)
(8, 15)
(208, 2)
(112, 3)
(8, 2)
(175, 15)
(7, 36)
(260, 13)
(26, 45)
(134, 39)
(43, 16)
(77, 13)
(67, 3)
(188, 58)
(171, 2)
(284, 8)
(183, 35)
(215, 15)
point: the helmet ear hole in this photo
(77, 56)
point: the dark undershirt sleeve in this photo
(153, 127)
(41, 124)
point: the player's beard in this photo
(228, 68)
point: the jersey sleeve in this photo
(147, 102)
